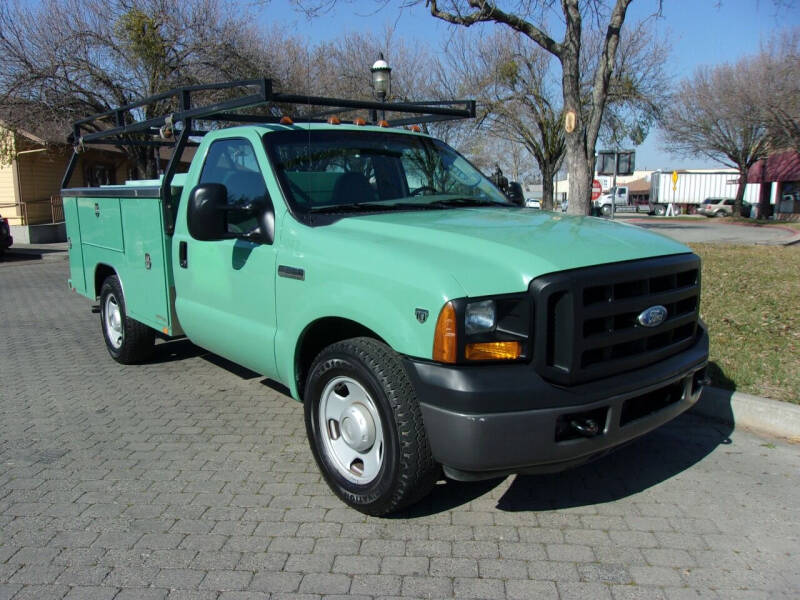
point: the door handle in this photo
(182, 260)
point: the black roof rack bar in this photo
(222, 110)
(428, 112)
(176, 92)
(202, 112)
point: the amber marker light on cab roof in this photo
(493, 351)
(415, 128)
(333, 120)
(286, 120)
(383, 123)
(359, 122)
(445, 337)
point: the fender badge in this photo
(422, 314)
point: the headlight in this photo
(479, 317)
(488, 329)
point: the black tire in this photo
(606, 210)
(720, 213)
(135, 340)
(661, 210)
(407, 471)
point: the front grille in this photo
(586, 319)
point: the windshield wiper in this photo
(351, 207)
(450, 202)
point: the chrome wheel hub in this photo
(358, 428)
(351, 430)
(113, 321)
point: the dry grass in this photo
(750, 301)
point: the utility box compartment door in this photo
(143, 270)
(76, 274)
(101, 223)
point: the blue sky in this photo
(702, 32)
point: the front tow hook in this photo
(586, 427)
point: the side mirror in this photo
(208, 210)
(204, 217)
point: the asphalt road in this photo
(712, 230)
(189, 478)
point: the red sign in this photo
(597, 189)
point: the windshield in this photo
(338, 171)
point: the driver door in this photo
(225, 289)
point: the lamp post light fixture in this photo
(381, 81)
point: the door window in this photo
(233, 164)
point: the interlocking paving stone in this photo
(187, 480)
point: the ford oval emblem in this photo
(653, 316)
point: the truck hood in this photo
(496, 250)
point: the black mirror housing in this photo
(207, 218)
(203, 217)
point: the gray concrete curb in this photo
(743, 410)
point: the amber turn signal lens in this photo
(445, 338)
(493, 351)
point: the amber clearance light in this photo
(493, 351)
(445, 338)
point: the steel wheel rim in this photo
(112, 320)
(351, 431)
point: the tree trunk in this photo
(737, 207)
(580, 179)
(547, 189)
(580, 176)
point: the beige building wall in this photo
(9, 204)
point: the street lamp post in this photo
(381, 83)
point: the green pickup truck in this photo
(426, 323)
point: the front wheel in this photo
(128, 341)
(661, 210)
(606, 210)
(365, 427)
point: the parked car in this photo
(5, 236)
(533, 203)
(721, 207)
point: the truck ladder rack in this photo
(95, 130)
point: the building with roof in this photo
(779, 176)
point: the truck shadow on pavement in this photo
(642, 464)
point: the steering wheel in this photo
(424, 188)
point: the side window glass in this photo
(730, 202)
(233, 164)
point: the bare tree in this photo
(531, 18)
(712, 115)
(64, 59)
(342, 67)
(584, 115)
(777, 89)
(519, 97)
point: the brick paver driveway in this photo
(189, 478)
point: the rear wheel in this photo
(661, 210)
(365, 427)
(128, 341)
(720, 213)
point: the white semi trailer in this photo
(693, 187)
